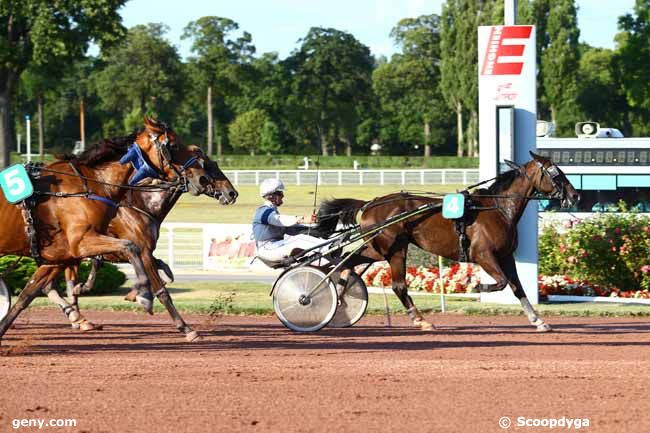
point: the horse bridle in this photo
(553, 173)
(165, 158)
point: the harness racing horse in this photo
(491, 229)
(138, 219)
(67, 218)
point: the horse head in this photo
(215, 184)
(549, 180)
(164, 156)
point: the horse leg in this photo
(398, 271)
(510, 269)
(41, 278)
(164, 271)
(95, 244)
(71, 311)
(165, 298)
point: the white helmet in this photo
(269, 186)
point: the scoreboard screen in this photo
(595, 156)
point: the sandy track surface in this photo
(250, 374)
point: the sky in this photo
(277, 25)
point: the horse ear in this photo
(512, 164)
(534, 155)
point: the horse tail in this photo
(331, 212)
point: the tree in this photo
(452, 62)
(560, 61)
(420, 67)
(39, 32)
(218, 62)
(142, 76)
(331, 74)
(254, 131)
(632, 54)
(600, 93)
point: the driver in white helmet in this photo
(270, 227)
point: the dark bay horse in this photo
(75, 200)
(492, 232)
(138, 219)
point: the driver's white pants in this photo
(278, 250)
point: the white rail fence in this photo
(357, 177)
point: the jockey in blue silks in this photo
(270, 227)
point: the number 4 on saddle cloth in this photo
(16, 184)
(453, 207)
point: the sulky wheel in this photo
(5, 299)
(304, 299)
(352, 303)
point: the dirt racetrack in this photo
(250, 374)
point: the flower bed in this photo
(563, 285)
(459, 278)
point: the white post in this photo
(29, 138)
(381, 177)
(403, 177)
(465, 177)
(340, 177)
(170, 247)
(18, 143)
(360, 177)
(236, 177)
(443, 306)
(510, 12)
(421, 177)
(298, 174)
(257, 178)
(443, 178)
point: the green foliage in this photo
(560, 60)
(331, 80)
(612, 250)
(254, 131)
(109, 277)
(292, 162)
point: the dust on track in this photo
(252, 374)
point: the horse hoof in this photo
(75, 325)
(131, 296)
(90, 326)
(145, 303)
(167, 278)
(193, 337)
(544, 328)
(423, 325)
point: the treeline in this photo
(330, 95)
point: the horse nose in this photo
(575, 197)
(233, 194)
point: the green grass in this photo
(299, 200)
(253, 298)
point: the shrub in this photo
(109, 276)
(611, 250)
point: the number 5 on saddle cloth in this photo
(16, 184)
(453, 207)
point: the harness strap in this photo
(104, 200)
(30, 230)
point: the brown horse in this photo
(492, 231)
(67, 218)
(138, 219)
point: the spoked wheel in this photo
(304, 299)
(5, 300)
(352, 303)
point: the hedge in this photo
(109, 277)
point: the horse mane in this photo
(106, 150)
(502, 182)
